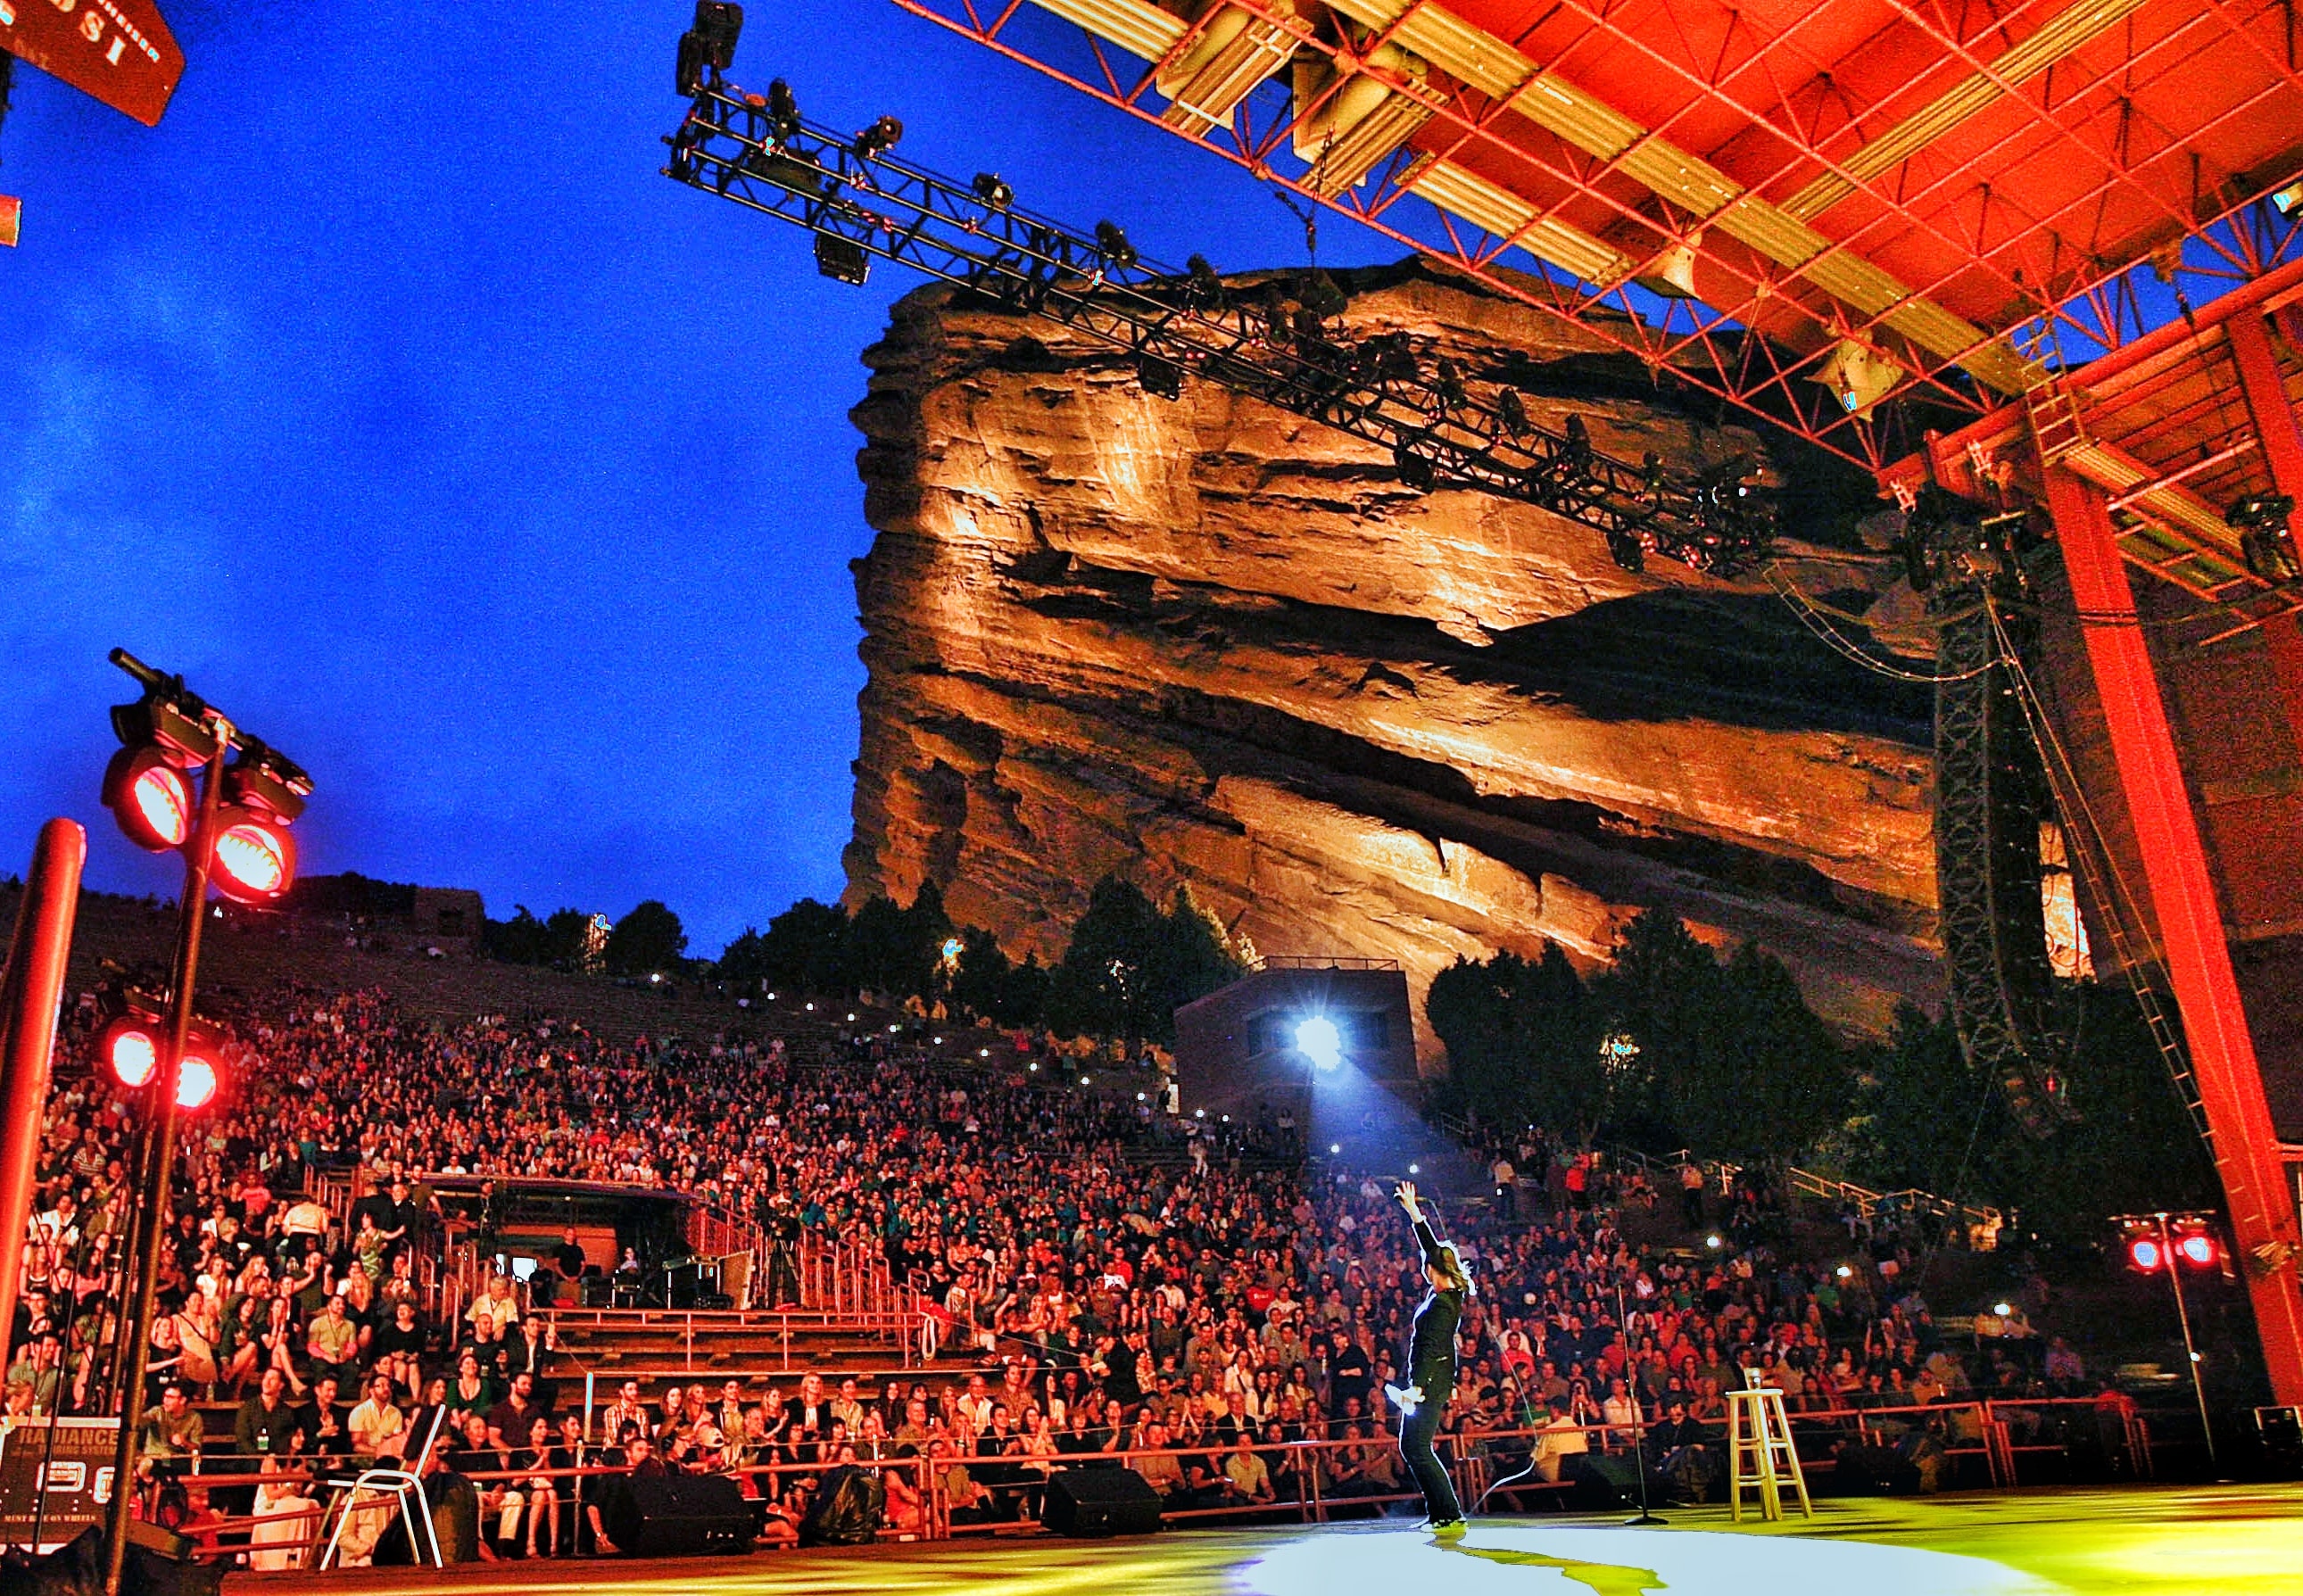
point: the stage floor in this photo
(2242, 1540)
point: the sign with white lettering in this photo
(120, 51)
(54, 1484)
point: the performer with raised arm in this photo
(1431, 1368)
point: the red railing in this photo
(1978, 1430)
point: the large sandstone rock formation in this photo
(1210, 642)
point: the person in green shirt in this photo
(171, 1433)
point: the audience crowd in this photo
(1102, 1278)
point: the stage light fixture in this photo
(2193, 1241)
(1671, 275)
(1858, 377)
(1334, 1149)
(131, 1048)
(783, 110)
(1319, 1040)
(876, 140)
(843, 260)
(1113, 246)
(1414, 469)
(264, 779)
(196, 1080)
(150, 796)
(1513, 410)
(720, 24)
(709, 45)
(2289, 199)
(2266, 538)
(1713, 1242)
(993, 190)
(255, 856)
(2143, 1254)
(1161, 376)
(1415, 1169)
(1206, 289)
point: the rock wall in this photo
(1207, 642)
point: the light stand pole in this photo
(2191, 1352)
(1646, 1520)
(159, 1162)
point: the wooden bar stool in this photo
(1760, 1454)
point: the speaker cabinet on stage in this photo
(1100, 1501)
(1602, 1481)
(159, 1563)
(681, 1515)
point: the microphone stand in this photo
(1646, 1520)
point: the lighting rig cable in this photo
(1281, 346)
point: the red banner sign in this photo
(120, 51)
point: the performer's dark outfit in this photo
(1432, 1365)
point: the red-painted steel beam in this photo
(2190, 921)
(2275, 428)
(29, 991)
(2107, 378)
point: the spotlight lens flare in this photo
(2145, 1254)
(1319, 1040)
(2197, 1249)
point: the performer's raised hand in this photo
(1405, 1194)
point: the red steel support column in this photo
(29, 993)
(2191, 920)
(2283, 451)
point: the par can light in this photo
(131, 1048)
(196, 1080)
(150, 796)
(255, 858)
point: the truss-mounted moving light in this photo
(843, 260)
(876, 140)
(2289, 199)
(1159, 376)
(1113, 244)
(710, 44)
(992, 190)
(1858, 377)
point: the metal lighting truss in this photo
(858, 201)
(1973, 223)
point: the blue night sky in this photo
(388, 392)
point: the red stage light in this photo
(150, 796)
(2144, 1253)
(2195, 1244)
(133, 1053)
(255, 859)
(196, 1082)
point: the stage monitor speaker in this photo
(159, 1563)
(681, 1515)
(1100, 1501)
(1602, 1481)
